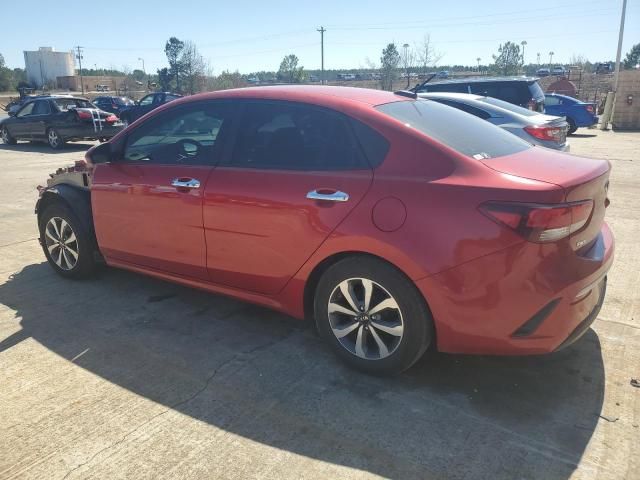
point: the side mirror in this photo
(11, 113)
(99, 154)
(137, 102)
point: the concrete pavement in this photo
(124, 376)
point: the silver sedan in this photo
(534, 127)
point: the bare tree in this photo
(193, 67)
(426, 55)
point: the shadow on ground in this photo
(582, 135)
(270, 379)
(43, 147)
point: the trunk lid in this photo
(581, 178)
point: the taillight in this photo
(544, 133)
(112, 118)
(540, 223)
(83, 115)
(590, 109)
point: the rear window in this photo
(536, 91)
(464, 133)
(65, 104)
(509, 106)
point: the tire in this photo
(572, 126)
(57, 224)
(54, 139)
(7, 139)
(405, 331)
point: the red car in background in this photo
(396, 223)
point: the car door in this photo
(39, 119)
(145, 105)
(147, 204)
(295, 173)
(20, 127)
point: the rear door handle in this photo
(328, 195)
(184, 182)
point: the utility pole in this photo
(406, 61)
(524, 44)
(611, 96)
(322, 30)
(79, 57)
(143, 69)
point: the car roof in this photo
(452, 95)
(484, 79)
(318, 94)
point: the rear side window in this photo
(550, 101)
(374, 145)
(464, 133)
(290, 136)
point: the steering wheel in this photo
(185, 150)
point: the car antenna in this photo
(406, 93)
(420, 85)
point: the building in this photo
(45, 65)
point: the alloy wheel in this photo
(365, 318)
(61, 243)
(5, 135)
(53, 138)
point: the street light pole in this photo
(322, 30)
(523, 43)
(478, 60)
(538, 58)
(550, 58)
(406, 61)
(143, 69)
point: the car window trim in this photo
(225, 139)
(227, 161)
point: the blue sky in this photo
(254, 35)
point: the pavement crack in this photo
(248, 354)
(18, 242)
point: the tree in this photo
(407, 60)
(172, 50)
(508, 60)
(193, 68)
(633, 57)
(289, 71)
(6, 76)
(388, 65)
(426, 55)
(164, 79)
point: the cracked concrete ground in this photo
(124, 376)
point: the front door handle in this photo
(328, 195)
(185, 182)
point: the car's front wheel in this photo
(54, 139)
(69, 248)
(7, 139)
(373, 316)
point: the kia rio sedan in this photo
(395, 223)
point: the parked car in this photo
(145, 105)
(606, 67)
(522, 91)
(534, 127)
(443, 74)
(543, 72)
(577, 113)
(396, 223)
(113, 104)
(558, 71)
(57, 120)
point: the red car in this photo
(396, 223)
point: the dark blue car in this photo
(577, 113)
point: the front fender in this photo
(75, 198)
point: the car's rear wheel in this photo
(372, 315)
(54, 139)
(69, 248)
(572, 125)
(6, 137)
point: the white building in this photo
(45, 65)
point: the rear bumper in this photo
(526, 299)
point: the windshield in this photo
(123, 101)
(464, 133)
(65, 104)
(509, 106)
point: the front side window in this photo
(183, 136)
(26, 110)
(290, 136)
(148, 100)
(481, 139)
(41, 108)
